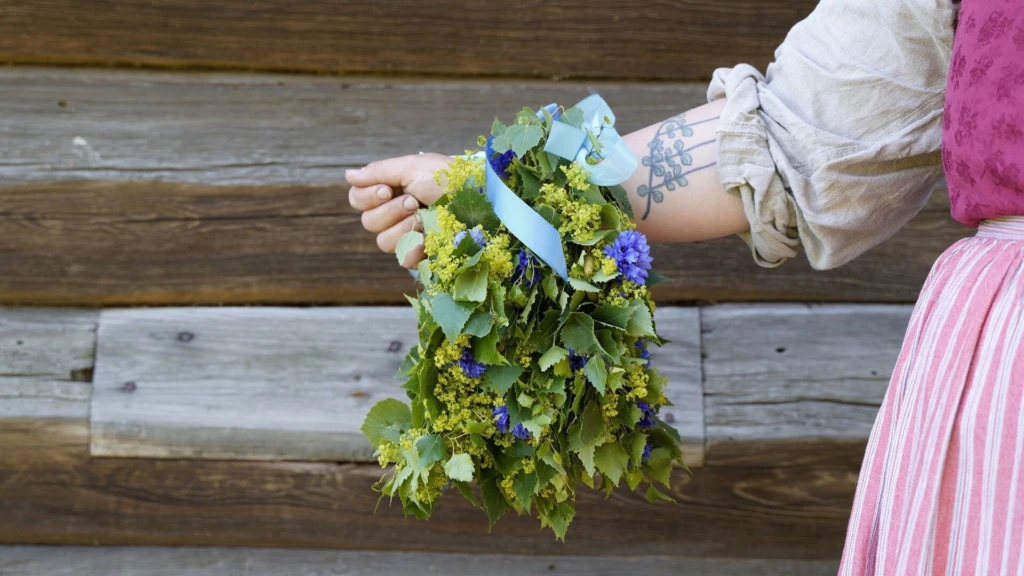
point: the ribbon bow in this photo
(566, 141)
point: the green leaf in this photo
(622, 200)
(586, 456)
(471, 285)
(502, 377)
(530, 185)
(384, 414)
(406, 243)
(614, 349)
(467, 246)
(494, 501)
(466, 490)
(614, 316)
(592, 429)
(573, 117)
(428, 217)
(636, 443)
(431, 449)
(427, 384)
(549, 358)
(600, 276)
(497, 128)
(548, 213)
(654, 278)
(486, 349)
(582, 285)
(459, 467)
(659, 465)
(596, 373)
(520, 138)
(560, 518)
(479, 324)
(524, 485)
(578, 334)
(550, 285)
(611, 459)
(525, 400)
(653, 495)
(450, 315)
(473, 209)
(640, 323)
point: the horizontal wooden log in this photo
(287, 383)
(799, 372)
(61, 496)
(108, 199)
(558, 38)
(155, 561)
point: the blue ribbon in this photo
(617, 163)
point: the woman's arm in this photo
(675, 190)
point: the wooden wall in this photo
(188, 154)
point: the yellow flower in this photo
(463, 171)
(579, 177)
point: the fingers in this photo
(414, 257)
(388, 239)
(369, 198)
(389, 214)
(392, 171)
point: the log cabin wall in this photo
(193, 323)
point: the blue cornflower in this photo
(632, 255)
(526, 259)
(521, 432)
(476, 234)
(499, 162)
(647, 422)
(647, 452)
(644, 352)
(470, 367)
(576, 361)
(500, 415)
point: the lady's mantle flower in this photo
(632, 255)
(644, 352)
(647, 422)
(576, 361)
(470, 367)
(521, 432)
(500, 415)
(647, 452)
(476, 234)
(526, 259)
(499, 162)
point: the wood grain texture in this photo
(798, 372)
(263, 129)
(287, 383)
(792, 510)
(151, 243)
(109, 200)
(557, 38)
(155, 561)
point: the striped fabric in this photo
(940, 490)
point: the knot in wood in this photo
(186, 336)
(395, 346)
(129, 387)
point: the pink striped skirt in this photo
(940, 490)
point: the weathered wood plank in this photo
(797, 372)
(786, 511)
(256, 129)
(155, 561)
(286, 383)
(279, 230)
(558, 38)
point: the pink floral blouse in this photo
(983, 122)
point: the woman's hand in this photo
(388, 193)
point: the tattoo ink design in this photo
(668, 159)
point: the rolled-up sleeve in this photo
(838, 144)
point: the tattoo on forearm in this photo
(669, 159)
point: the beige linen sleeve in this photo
(837, 145)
